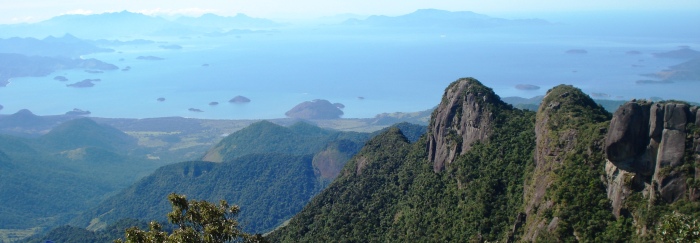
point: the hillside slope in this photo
(488, 172)
(46, 181)
(270, 171)
(391, 191)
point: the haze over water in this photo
(370, 71)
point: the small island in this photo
(78, 112)
(213, 103)
(634, 53)
(239, 99)
(1, 107)
(94, 71)
(360, 97)
(315, 109)
(205, 65)
(577, 51)
(194, 110)
(161, 99)
(60, 78)
(150, 58)
(527, 87)
(171, 47)
(127, 68)
(87, 83)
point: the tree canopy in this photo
(195, 221)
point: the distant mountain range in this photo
(128, 24)
(239, 21)
(433, 18)
(135, 25)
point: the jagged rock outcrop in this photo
(650, 144)
(464, 116)
(628, 135)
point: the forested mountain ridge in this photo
(488, 172)
(391, 192)
(265, 137)
(46, 181)
(269, 170)
(85, 132)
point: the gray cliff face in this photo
(463, 117)
(647, 146)
(553, 143)
(627, 138)
(670, 180)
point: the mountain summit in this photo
(465, 116)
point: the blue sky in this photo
(37, 10)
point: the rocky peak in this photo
(650, 140)
(464, 116)
(557, 127)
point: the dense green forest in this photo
(389, 192)
(67, 233)
(270, 171)
(46, 181)
(536, 177)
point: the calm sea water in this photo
(392, 72)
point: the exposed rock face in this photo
(464, 116)
(617, 191)
(672, 185)
(654, 157)
(557, 135)
(627, 138)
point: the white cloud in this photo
(172, 12)
(78, 11)
(24, 19)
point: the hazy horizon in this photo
(325, 59)
(38, 10)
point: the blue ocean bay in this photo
(368, 73)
